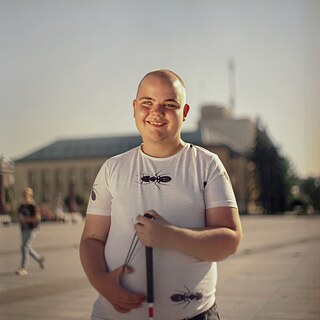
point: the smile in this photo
(156, 123)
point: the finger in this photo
(130, 303)
(121, 309)
(140, 219)
(153, 213)
(124, 295)
(123, 269)
(126, 269)
(126, 307)
(131, 298)
(142, 227)
(119, 272)
(138, 227)
(146, 219)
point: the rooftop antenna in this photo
(232, 84)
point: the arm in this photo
(92, 257)
(219, 239)
(20, 218)
(36, 218)
(92, 245)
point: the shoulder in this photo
(120, 160)
(205, 160)
(202, 153)
(123, 156)
(32, 207)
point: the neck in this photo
(28, 201)
(160, 150)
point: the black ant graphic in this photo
(94, 192)
(185, 297)
(157, 179)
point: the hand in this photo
(153, 232)
(122, 300)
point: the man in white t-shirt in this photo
(187, 191)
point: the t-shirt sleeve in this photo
(100, 196)
(218, 191)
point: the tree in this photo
(274, 174)
(9, 195)
(311, 188)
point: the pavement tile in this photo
(274, 276)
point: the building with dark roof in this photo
(52, 169)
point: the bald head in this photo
(167, 76)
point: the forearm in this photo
(208, 244)
(93, 261)
(108, 284)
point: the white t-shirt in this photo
(180, 188)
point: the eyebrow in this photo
(166, 100)
(146, 98)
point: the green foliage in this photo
(9, 195)
(274, 174)
(310, 187)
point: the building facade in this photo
(7, 181)
(51, 171)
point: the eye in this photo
(171, 106)
(146, 103)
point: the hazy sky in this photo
(69, 68)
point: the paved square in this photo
(274, 276)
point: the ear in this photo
(186, 109)
(134, 105)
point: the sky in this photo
(70, 68)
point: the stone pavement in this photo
(274, 276)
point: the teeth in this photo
(156, 123)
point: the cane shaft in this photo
(149, 261)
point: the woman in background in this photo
(29, 219)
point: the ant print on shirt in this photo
(186, 297)
(94, 192)
(158, 179)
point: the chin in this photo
(155, 138)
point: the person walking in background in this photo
(29, 219)
(186, 190)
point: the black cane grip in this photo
(148, 215)
(149, 261)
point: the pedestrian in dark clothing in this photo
(29, 218)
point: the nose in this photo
(158, 109)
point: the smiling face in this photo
(160, 109)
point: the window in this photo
(72, 175)
(58, 177)
(86, 177)
(31, 179)
(45, 178)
